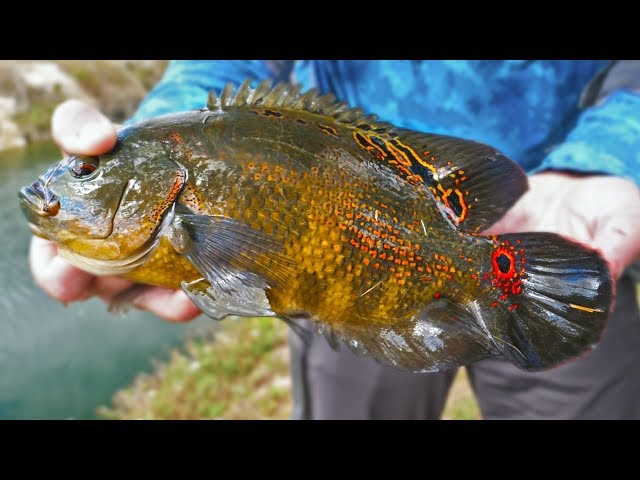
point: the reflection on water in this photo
(56, 361)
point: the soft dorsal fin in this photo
(287, 96)
(476, 183)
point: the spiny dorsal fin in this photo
(287, 96)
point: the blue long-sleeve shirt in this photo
(527, 109)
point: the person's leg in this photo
(298, 372)
(342, 385)
(604, 384)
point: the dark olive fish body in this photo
(273, 203)
(391, 244)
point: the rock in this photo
(48, 80)
(116, 90)
(36, 87)
(30, 90)
(10, 136)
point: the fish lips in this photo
(36, 202)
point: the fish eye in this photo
(81, 167)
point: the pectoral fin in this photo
(218, 245)
(238, 264)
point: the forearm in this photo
(605, 140)
(606, 137)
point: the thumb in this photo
(617, 240)
(617, 234)
(79, 128)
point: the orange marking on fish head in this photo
(175, 138)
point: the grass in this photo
(36, 120)
(238, 371)
(461, 403)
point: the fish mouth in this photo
(29, 198)
(37, 198)
(35, 230)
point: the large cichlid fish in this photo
(269, 202)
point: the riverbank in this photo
(30, 90)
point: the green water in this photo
(56, 361)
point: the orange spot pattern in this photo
(156, 213)
(177, 143)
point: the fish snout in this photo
(40, 199)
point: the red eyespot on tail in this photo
(504, 264)
(506, 273)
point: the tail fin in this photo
(553, 297)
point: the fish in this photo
(270, 201)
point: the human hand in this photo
(81, 129)
(600, 211)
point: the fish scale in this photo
(272, 202)
(326, 235)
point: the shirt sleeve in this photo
(605, 139)
(185, 84)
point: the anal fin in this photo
(329, 335)
(443, 336)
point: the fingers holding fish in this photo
(171, 305)
(57, 277)
(617, 232)
(531, 212)
(79, 128)
(66, 283)
(613, 241)
(109, 287)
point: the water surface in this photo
(56, 361)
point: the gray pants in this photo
(604, 384)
